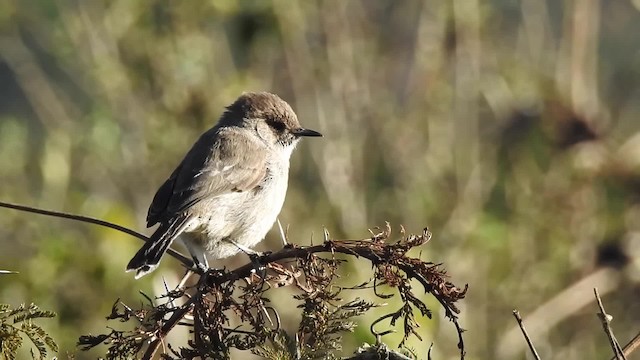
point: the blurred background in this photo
(510, 128)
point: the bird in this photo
(227, 192)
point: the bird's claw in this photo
(200, 268)
(211, 272)
(258, 261)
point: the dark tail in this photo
(147, 258)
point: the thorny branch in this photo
(220, 319)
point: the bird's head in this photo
(271, 117)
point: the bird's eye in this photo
(277, 125)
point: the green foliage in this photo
(15, 324)
(280, 346)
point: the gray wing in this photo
(211, 168)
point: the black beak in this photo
(305, 132)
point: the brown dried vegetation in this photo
(220, 299)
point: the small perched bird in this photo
(228, 190)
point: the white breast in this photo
(248, 216)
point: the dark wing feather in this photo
(212, 167)
(162, 198)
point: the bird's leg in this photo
(255, 257)
(201, 265)
(245, 249)
(200, 262)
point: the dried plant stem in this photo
(313, 275)
(516, 314)
(361, 249)
(606, 320)
(178, 315)
(631, 346)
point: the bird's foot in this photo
(202, 268)
(244, 249)
(211, 272)
(259, 258)
(209, 277)
(199, 268)
(258, 261)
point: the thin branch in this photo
(177, 316)
(631, 346)
(516, 314)
(606, 320)
(183, 259)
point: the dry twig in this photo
(606, 320)
(516, 314)
(630, 347)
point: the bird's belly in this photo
(244, 218)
